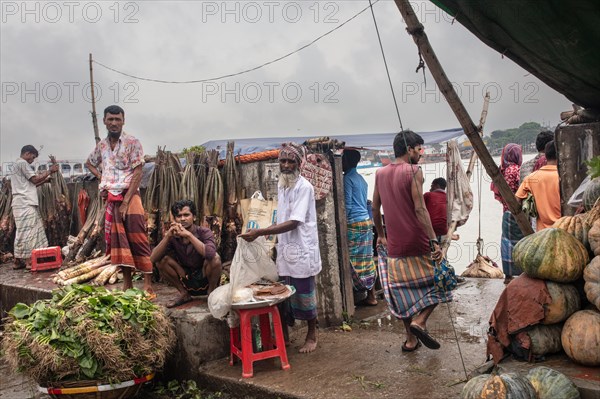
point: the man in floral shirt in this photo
(117, 162)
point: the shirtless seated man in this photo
(187, 256)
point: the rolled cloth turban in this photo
(295, 150)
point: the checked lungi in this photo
(360, 248)
(30, 232)
(303, 303)
(408, 283)
(511, 234)
(128, 238)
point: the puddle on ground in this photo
(467, 332)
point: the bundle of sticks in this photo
(161, 193)
(7, 221)
(232, 219)
(213, 197)
(89, 237)
(96, 271)
(55, 208)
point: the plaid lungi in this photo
(408, 284)
(511, 234)
(304, 302)
(30, 232)
(128, 238)
(360, 248)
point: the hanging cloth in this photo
(459, 193)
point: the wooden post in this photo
(342, 238)
(94, 117)
(484, 112)
(417, 31)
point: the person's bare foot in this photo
(180, 300)
(371, 300)
(309, 346)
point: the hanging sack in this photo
(258, 213)
(444, 276)
(528, 207)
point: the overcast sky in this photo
(335, 86)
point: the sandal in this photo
(424, 337)
(150, 296)
(408, 349)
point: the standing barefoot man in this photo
(298, 256)
(117, 162)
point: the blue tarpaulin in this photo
(374, 141)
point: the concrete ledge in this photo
(200, 338)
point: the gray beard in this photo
(288, 180)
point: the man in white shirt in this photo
(298, 256)
(30, 233)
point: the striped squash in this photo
(576, 226)
(498, 386)
(550, 384)
(551, 254)
(565, 302)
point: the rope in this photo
(421, 66)
(479, 242)
(386, 68)
(457, 343)
(240, 72)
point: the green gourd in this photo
(551, 254)
(498, 386)
(550, 384)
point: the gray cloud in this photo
(341, 78)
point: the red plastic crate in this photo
(46, 259)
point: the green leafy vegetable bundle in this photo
(86, 332)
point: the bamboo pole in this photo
(417, 31)
(484, 112)
(94, 117)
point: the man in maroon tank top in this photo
(407, 275)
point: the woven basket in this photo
(95, 389)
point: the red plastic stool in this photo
(271, 347)
(45, 259)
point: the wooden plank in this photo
(417, 31)
(342, 237)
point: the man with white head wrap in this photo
(298, 255)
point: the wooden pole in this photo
(94, 117)
(484, 112)
(417, 31)
(342, 237)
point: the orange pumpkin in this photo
(574, 225)
(581, 337)
(594, 237)
(591, 275)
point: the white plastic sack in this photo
(576, 199)
(250, 263)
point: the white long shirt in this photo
(298, 252)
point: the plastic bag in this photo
(250, 263)
(576, 199)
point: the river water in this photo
(486, 223)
